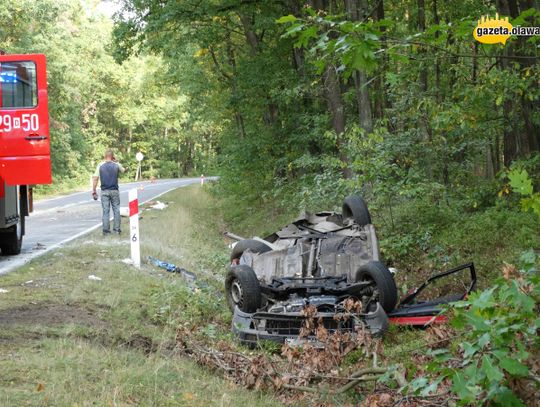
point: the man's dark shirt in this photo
(108, 172)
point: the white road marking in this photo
(90, 200)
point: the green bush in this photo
(523, 185)
(498, 341)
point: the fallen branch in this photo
(340, 390)
(352, 376)
(367, 370)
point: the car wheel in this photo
(256, 246)
(11, 242)
(242, 289)
(355, 207)
(382, 281)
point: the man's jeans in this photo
(110, 198)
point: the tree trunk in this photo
(436, 20)
(335, 101)
(475, 63)
(363, 101)
(251, 37)
(130, 135)
(179, 160)
(299, 61)
(238, 118)
(532, 130)
(490, 168)
(497, 154)
(298, 57)
(318, 4)
(336, 106)
(380, 91)
(423, 76)
(357, 10)
(517, 143)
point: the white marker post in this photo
(202, 179)
(139, 157)
(134, 228)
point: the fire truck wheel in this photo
(242, 289)
(11, 242)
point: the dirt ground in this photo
(47, 314)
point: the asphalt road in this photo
(59, 220)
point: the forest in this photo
(297, 104)
(292, 103)
(347, 93)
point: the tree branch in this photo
(218, 66)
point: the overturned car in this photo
(331, 263)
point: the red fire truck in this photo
(24, 142)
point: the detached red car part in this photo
(412, 312)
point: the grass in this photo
(66, 340)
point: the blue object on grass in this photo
(171, 268)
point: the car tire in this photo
(380, 276)
(256, 246)
(356, 208)
(242, 289)
(11, 242)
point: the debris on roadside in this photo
(171, 268)
(39, 246)
(159, 205)
(93, 277)
(127, 261)
(3, 291)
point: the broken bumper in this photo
(287, 327)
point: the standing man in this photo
(107, 171)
